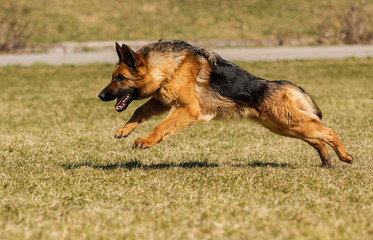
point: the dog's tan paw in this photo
(123, 132)
(141, 143)
(349, 159)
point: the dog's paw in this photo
(141, 143)
(326, 165)
(348, 159)
(123, 132)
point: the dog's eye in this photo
(119, 77)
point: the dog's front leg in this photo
(151, 108)
(177, 119)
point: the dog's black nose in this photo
(102, 95)
(106, 96)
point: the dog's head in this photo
(127, 78)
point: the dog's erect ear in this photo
(129, 56)
(119, 52)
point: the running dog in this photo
(196, 85)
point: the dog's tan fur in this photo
(178, 82)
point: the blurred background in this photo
(33, 26)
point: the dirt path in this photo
(244, 54)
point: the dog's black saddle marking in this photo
(233, 82)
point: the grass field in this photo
(78, 20)
(64, 176)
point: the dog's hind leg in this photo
(321, 149)
(151, 108)
(315, 130)
(314, 133)
(319, 145)
(297, 116)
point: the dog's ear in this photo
(119, 52)
(129, 56)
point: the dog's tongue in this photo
(122, 102)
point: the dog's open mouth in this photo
(124, 101)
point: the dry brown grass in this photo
(352, 25)
(14, 30)
(262, 21)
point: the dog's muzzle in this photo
(106, 96)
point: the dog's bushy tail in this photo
(303, 102)
(317, 109)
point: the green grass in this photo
(64, 176)
(78, 20)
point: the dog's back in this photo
(227, 80)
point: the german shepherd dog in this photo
(196, 85)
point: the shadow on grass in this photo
(269, 164)
(194, 164)
(138, 165)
